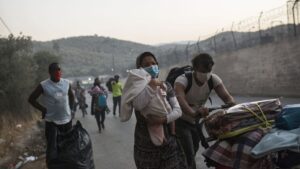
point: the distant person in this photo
(82, 103)
(155, 145)
(117, 93)
(98, 104)
(78, 89)
(81, 99)
(57, 101)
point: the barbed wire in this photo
(265, 27)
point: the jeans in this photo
(51, 131)
(100, 117)
(116, 101)
(188, 136)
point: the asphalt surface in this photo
(113, 147)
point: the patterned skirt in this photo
(169, 155)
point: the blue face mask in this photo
(152, 70)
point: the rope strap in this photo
(265, 123)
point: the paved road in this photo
(113, 148)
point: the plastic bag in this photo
(74, 150)
(289, 118)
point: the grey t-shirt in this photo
(197, 95)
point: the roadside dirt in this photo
(24, 140)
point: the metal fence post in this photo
(259, 30)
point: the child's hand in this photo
(154, 83)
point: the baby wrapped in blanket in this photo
(139, 95)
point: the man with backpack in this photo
(192, 90)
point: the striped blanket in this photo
(242, 118)
(235, 152)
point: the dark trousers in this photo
(51, 131)
(189, 138)
(100, 117)
(116, 101)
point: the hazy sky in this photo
(145, 21)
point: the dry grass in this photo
(20, 136)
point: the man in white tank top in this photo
(192, 102)
(57, 98)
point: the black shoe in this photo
(102, 124)
(100, 131)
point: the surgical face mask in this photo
(203, 77)
(152, 70)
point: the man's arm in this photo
(71, 97)
(33, 100)
(180, 94)
(224, 95)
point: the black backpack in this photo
(108, 84)
(188, 72)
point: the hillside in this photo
(268, 68)
(93, 55)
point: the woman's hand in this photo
(151, 119)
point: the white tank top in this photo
(56, 100)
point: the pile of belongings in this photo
(284, 139)
(242, 118)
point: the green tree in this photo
(16, 74)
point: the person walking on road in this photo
(117, 93)
(82, 103)
(98, 104)
(155, 146)
(57, 101)
(81, 99)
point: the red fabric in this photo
(57, 75)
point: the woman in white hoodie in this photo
(156, 109)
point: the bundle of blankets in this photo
(242, 118)
(237, 130)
